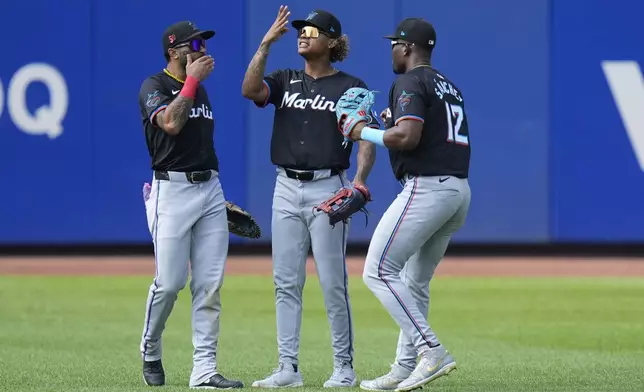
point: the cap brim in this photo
(206, 34)
(391, 37)
(298, 24)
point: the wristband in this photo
(189, 89)
(372, 135)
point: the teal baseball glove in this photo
(354, 106)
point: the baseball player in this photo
(185, 208)
(428, 140)
(311, 160)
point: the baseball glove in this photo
(241, 222)
(345, 202)
(355, 105)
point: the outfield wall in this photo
(554, 92)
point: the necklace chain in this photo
(421, 65)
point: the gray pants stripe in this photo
(148, 312)
(384, 256)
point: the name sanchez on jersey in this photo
(318, 103)
(443, 87)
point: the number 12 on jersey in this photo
(454, 122)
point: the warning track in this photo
(261, 265)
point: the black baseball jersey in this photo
(193, 148)
(423, 94)
(305, 128)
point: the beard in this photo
(183, 58)
(398, 68)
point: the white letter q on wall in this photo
(47, 119)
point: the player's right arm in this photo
(175, 115)
(168, 113)
(255, 86)
(171, 113)
(258, 88)
(409, 106)
(155, 99)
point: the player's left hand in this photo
(356, 132)
(345, 202)
(362, 187)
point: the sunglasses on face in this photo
(395, 42)
(310, 32)
(195, 44)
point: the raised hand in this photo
(201, 68)
(279, 27)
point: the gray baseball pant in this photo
(188, 225)
(296, 228)
(407, 246)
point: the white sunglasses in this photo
(395, 42)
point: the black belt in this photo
(194, 177)
(306, 175)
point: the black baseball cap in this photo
(416, 31)
(181, 32)
(323, 20)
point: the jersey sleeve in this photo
(409, 101)
(374, 115)
(274, 82)
(153, 98)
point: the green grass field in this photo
(511, 334)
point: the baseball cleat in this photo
(343, 376)
(434, 363)
(285, 376)
(389, 381)
(153, 374)
(218, 382)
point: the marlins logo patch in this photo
(404, 100)
(153, 99)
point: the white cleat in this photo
(284, 376)
(434, 363)
(343, 376)
(389, 381)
